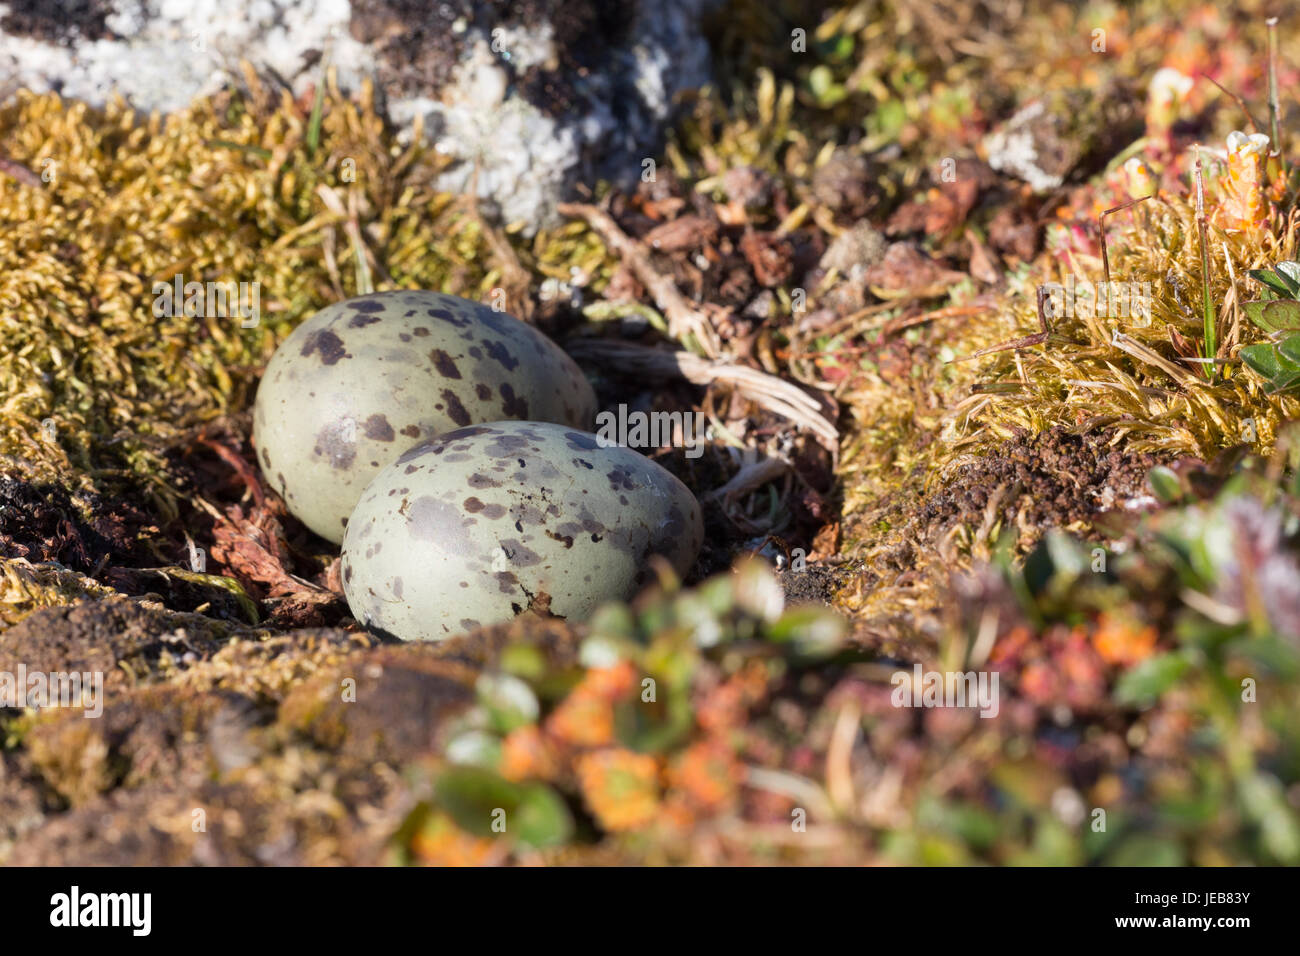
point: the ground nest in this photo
(901, 470)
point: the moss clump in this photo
(1137, 375)
(101, 205)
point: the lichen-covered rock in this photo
(855, 250)
(160, 54)
(485, 523)
(537, 94)
(365, 379)
(1063, 133)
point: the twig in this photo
(683, 318)
(1038, 338)
(1137, 350)
(894, 326)
(774, 394)
(1274, 108)
(751, 476)
(1101, 224)
(18, 171)
(1254, 127)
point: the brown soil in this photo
(250, 736)
(1053, 479)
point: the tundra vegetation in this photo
(918, 461)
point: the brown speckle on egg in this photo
(582, 535)
(328, 408)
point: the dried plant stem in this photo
(1273, 106)
(774, 394)
(1211, 347)
(752, 475)
(1105, 252)
(1131, 346)
(350, 216)
(683, 318)
(1101, 224)
(1241, 104)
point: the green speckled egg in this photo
(482, 523)
(363, 380)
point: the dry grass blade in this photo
(1028, 341)
(1101, 226)
(1131, 346)
(1241, 104)
(349, 216)
(683, 318)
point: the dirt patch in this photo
(45, 523)
(121, 639)
(63, 22)
(282, 771)
(1051, 479)
(815, 584)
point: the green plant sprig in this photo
(1277, 312)
(1211, 343)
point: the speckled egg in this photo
(363, 380)
(483, 523)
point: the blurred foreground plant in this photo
(637, 737)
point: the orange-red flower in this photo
(526, 753)
(707, 773)
(1121, 642)
(1244, 206)
(620, 787)
(439, 842)
(585, 718)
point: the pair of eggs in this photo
(444, 445)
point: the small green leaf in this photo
(1273, 281)
(1286, 364)
(523, 660)
(1068, 557)
(1255, 310)
(1165, 484)
(1151, 678)
(1265, 802)
(475, 748)
(1262, 360)
(1281, 315)
(483, 803)
(508, 701)
(816, 631)
(756, 590)
(1289, 348)
(1147, 850)
(654, 726)
(1283, 382)
(1275, 315)
(824, 87)
(1290, 274)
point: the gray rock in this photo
(1064, 135)
(537, 95)
(855, 250)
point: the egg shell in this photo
(482, 523)
(363, 380)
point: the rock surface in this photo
(1063, 135)
(531, 96)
